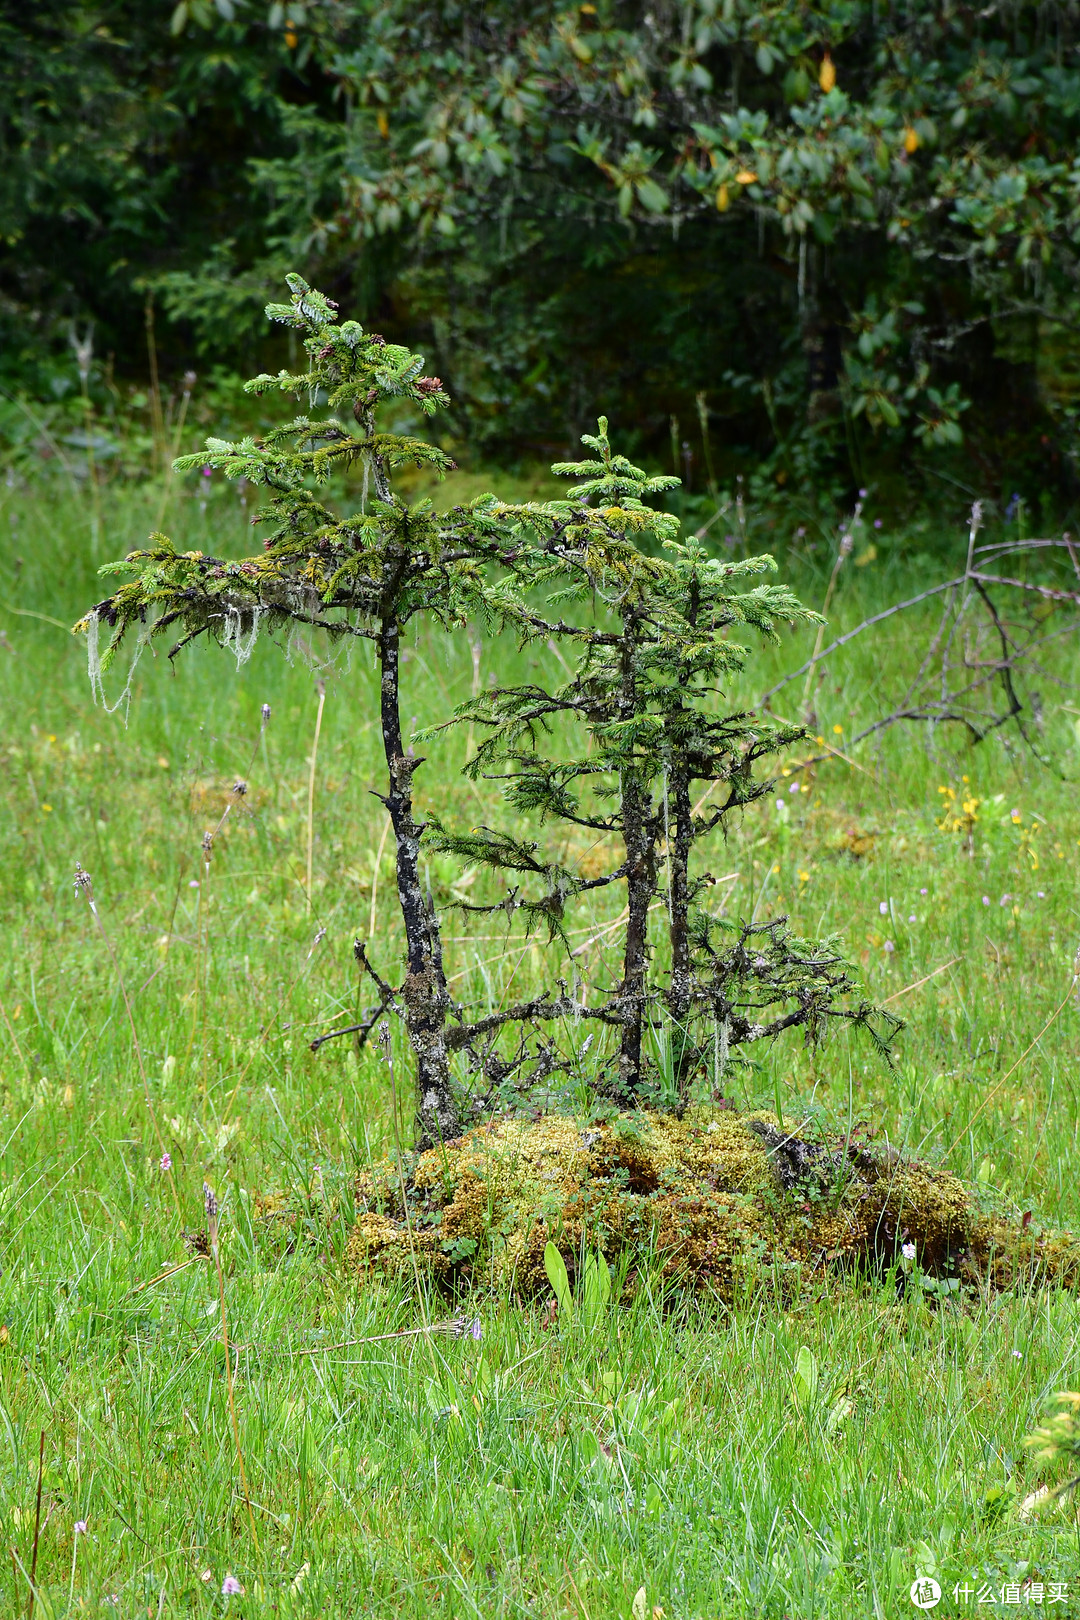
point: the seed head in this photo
(207, 846)
(83, 881)
(210, 1201)
(239, 788)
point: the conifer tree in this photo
(647, 694)
(366, 576)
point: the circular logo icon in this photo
(925, 1592)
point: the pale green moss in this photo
(719, 1201)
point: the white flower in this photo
(908, 1251)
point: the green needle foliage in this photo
(654, 650)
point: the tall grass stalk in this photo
(320, 687)
(37, 1527)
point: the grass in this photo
(540, 1471)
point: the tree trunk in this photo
(679, 845)
(424, 992)
(640, 843)
(640, 888)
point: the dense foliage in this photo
(850, 230)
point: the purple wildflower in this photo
(166, 1161)
(230, 1587)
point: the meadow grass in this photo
(540, 1471)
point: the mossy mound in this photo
(716, 1200)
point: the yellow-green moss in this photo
(718, 1201)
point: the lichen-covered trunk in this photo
(424, 993)
(680, 840)
(639, 839)
(640, 887)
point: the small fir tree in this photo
(366, 576)
(647, 692)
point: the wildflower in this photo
(794, 788)
(230, 1587)
(210, 1201)
(877, 523)
(924, 891)
(193, 883)
(908, 1251)
(986, 899)
(1014, 815)
(1004, 901)
(801, 531)
(1041, 894)
(166, 1161)
(207, 846)
(82, 879)
(863, 494)
(265, 714)
(79, 1527)
(913, 918)
(207, 472)
(475, 1330)
(838, 731)
(889, 946)
(1017, 1356)
(883, 907)
(804, 877)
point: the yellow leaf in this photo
(827, 76)
(723, 200)
(384, 124)
(291, 39)
(746, 177)
(911, 140)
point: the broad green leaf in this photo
(555, 1266)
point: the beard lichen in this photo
(714, 1201)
